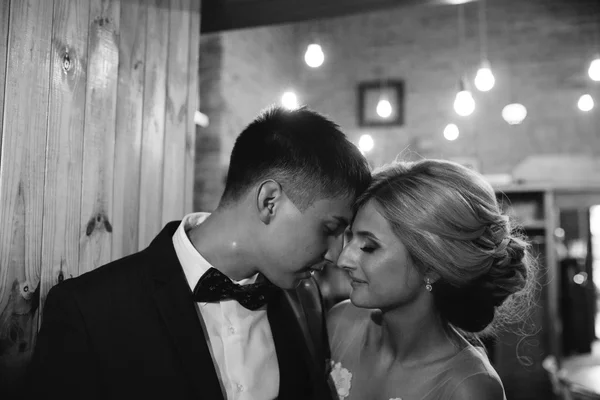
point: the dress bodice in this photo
(438, 381)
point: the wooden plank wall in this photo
(97, 99)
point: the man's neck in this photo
(224, 245)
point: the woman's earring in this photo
(428, 285)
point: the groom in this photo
(200, 313)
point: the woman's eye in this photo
(368, 249)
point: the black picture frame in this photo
(369, 94)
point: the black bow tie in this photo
(214, 287)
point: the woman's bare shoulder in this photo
(481, 386)
(344, 319)
(345, 312)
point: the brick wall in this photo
(241, 73)
(539, 50)
(208, 184)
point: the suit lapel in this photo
(177, 309)
(294, 377)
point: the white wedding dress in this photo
(436, 382)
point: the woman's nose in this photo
(346, 259)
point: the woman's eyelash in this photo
(368, 249)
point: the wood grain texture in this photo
(22, 180)
(77, 101)
(99, 135)
(192, 106)
(4, 14)
(130, 100)
(62, 198)
(176, 124)
(153, 125)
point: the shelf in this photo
(533, 225)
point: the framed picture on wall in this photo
(381, 103)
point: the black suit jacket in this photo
(130, 329)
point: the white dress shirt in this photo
(240, 340)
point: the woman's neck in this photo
(415, 335)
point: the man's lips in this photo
(314, 268)
(356, 280)
(320, 266)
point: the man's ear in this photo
(268, 200)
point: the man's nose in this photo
(334, 249)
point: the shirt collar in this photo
(192, 262)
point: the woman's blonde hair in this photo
(448, 218)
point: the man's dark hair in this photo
(303, 151)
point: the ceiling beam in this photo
(223, 15)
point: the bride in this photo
(432, 261)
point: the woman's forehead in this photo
(370, 219)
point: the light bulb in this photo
(365, 143)
(484, 80)
(464, 105)
(384, 108)
(594, 71)
(451, 132)
(201, 119)
(585, 103)
(314, 56)
(514, 113)
(579, 278)
(289, 100)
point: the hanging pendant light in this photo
(594, 70)
(464, 104)
(585, 103)
(314, 56)
(451, 132)
(514, 113)
(366, 143)
(289, 100)
(484, 80)
(384, 108)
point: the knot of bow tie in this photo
(214, 286)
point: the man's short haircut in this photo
(303, 151)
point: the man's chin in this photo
(287, 283)
(293, 280)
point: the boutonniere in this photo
(342, 378)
